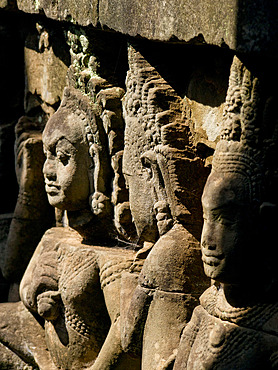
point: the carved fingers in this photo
(48, 305)
(29, 154)
(163, 217)
(100, 204)
(44, 278)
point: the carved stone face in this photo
(141, 207)
(227, 227)
(140, 197)
(67, 162)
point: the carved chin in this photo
(56, 200)
(222, 273)
(65, 203)
(214, 270)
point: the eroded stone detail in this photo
(113, 286)
(46, 64)
(236, 324)
(75, 286)
(32, 215)
(158, 155)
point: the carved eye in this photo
(226, 221)
(63, 158)
(146, 163)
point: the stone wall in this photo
(114, 117)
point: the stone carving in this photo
(158, 160)
(83, 304)
(45, 77)
(236, 324)
(33, 214)
(46, 63)
(74, 277)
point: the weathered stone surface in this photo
(74, 335)
(72, 284)
(46, 64)
(32, 215)
(128, 153)
(236, 324)
(83, 12)
(46, 75)
(244, 26)
(211, 338)
(204, 21)
(8, 4)
(158, 155)
(3, 3)
(22, 339)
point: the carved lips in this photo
(51, 188)
(210, 258)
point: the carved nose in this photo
(208, 236)
(49, 170)
(208, 245)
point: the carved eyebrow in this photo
(63, 139)
(224, 206)
(52, 145)
(48, 147)
(229, 206)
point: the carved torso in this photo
(84, 321)
(220, 336)
(89, 282)
(169, 286)
(174, 264)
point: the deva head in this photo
(76, 169)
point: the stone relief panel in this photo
(158, 163)
(66, 278)
(72, 283)
(238, 314)
(47, 59)
(33, 214)
(122, 155)
(45, 77)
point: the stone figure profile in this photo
(32, 215)
(235, 326)
(157, 159)
(73, 280)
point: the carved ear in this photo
(149, 163)
(161, 206)
(100, 204)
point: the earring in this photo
(163, 217)
(100, 204)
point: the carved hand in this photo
(48, 305)
(44, 279)
(29, 146)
